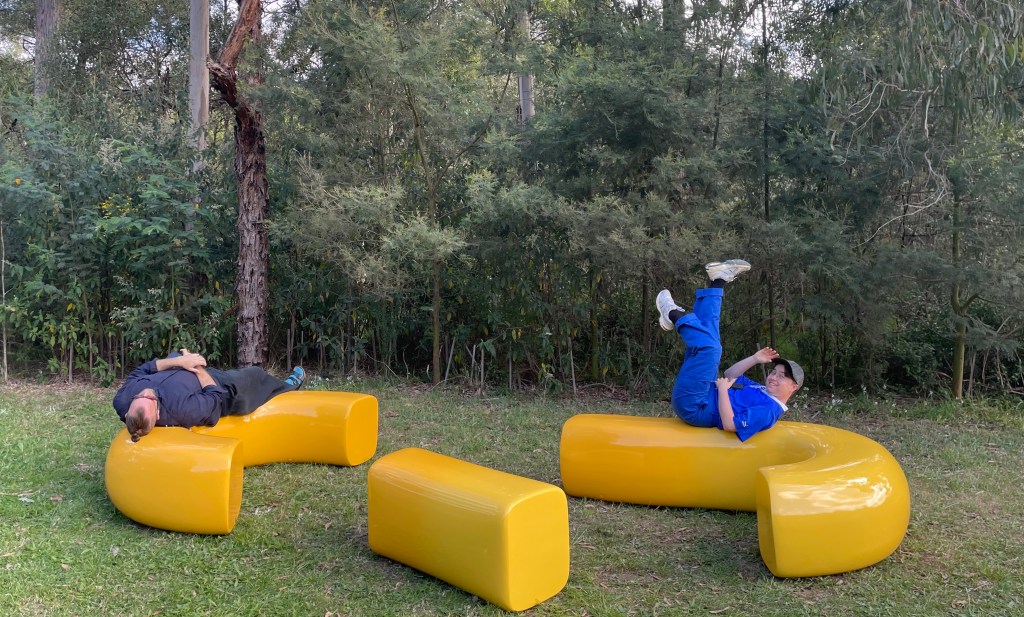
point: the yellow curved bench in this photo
(827, 500)
(190, 480)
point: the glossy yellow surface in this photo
(501, 537)
(190, 480)
(827, 500)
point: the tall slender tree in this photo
(47, 22)
(253, 292)
(917, 81)
(198, 74)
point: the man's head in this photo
(142, 414)
(785, 379)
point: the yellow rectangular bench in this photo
(499, 536)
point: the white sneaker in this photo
(726, 270)
(666, 305)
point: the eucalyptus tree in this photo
(627, 134)
(414, 88)
(251, 280)
(47, 22)
(921, 81)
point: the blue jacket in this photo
(754, 410)
(182, 401)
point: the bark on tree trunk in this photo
(766, 176)
(198, 76)
(959, 306)
(595, 349)
(526, 109)
(253, 238)
(47, 21)
(435, 281)
(252, 288)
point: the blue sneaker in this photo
(296, 378)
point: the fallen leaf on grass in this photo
(721, 610)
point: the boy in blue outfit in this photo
(698, 398)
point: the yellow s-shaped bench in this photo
(827, 500)
(190, 480)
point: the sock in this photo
(718, 284)
(675, 314)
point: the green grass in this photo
(300, 547)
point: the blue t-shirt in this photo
(754, 410)
(183, 402)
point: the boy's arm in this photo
(762, 356)
(725, 411)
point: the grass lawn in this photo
(300, 548)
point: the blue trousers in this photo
(694, 395)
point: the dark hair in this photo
(138, 423)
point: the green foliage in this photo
(865, 157)
(110, 258)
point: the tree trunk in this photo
(526, 109)
(595, 349)
(959, 307)
(766, 176)
(436, 322)
(3, 299)
(253, 238)
(47, 21)
(198, 75)
(252, 290)
(645, 311)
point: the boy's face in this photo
(780, 384)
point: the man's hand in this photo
(724, 383)
(191, 361)
(187, 360)
(205, 379)
(766, 355)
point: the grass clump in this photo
(300, 547)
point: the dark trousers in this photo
(248, 388)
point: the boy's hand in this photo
(766, 355)
(724, 383)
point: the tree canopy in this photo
(866, 157)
